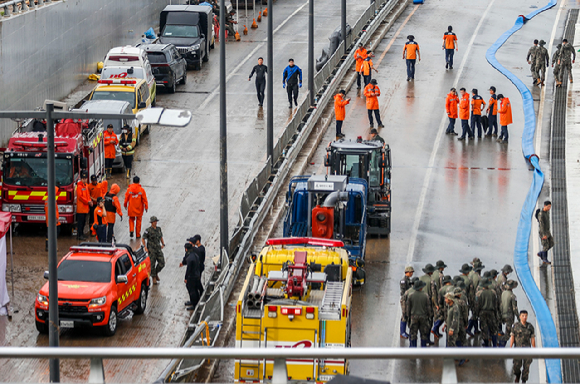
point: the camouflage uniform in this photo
(509, 310)
(503, 277)
(464, 310)
(544, 221)
(419, 311)
(153, 237)
(486, 304)
(453, 322)
(523, 335)
(542, 61)
(405, 285)
(531, 57)
(567, 55)
(556, 65)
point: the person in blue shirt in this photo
(292, 80)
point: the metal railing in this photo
(15, 7)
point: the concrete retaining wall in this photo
(47, 52)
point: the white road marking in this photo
(248, 57)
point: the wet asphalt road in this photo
(452, 200)
(179, 169)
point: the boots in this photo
(435, 329)
(413, 343)
(423, 343)
(129, 173)
(403, 330)
(494, 340)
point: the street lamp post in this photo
(311, 50)
(270, 92)
(343, 23)
(224, 234)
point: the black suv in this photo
(167, 64)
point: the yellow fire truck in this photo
(297, 294)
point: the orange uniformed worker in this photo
(100, 224)
(96, 190)
(111, 142)
(451, 103)
(84, 203)
(339, 103)
(449, 45)
(113, 207)
(492, 113)
(57, 215)
(359, 55)
(135, 203)
(372, 92)
(477, 104)
(464, 114)
(411, 53)
(366, 69)
(505, 117)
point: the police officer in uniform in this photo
(419, 311)
(155, 243)
(509, 309)
(405, 285)
(486, 304)
(522, 336)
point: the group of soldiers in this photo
(539, 59)
(434, 299)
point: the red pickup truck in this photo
(97, 285)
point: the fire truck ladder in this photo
(331, 302)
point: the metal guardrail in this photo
(15, 7)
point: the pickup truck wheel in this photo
(41, 327)
(111, 328)
(173, 84)
(142, 300)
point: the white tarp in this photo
(4, 299)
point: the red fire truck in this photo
(78, 145)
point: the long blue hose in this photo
(543, 315)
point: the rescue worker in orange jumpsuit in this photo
(96, 190)
(492, 113)
(464, 115)
(372, 92)
(84, 203)
(451, 103)
(366, 69)
(359, 55)
(411, 54)
(477, 104)
(111, 142)
(339, 103)
(135, 203)
(505, 117)
(449, 44)
(100, 224)
(57, 215)
(113, 207)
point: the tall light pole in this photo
(311, 50)
(270, 91)
(343, 23)
(224, 233)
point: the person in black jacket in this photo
(292, 80)
(260, 70)
(192, 276)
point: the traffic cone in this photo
(237, 36)
(254, 24)
(260, 16)
(265, 13)
(245, 30)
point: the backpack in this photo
(109, 206)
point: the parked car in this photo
(168, 66)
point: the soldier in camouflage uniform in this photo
(440, 308)
(430, 290)
(486, 304)
(501, 280)
(531, 59)
(475, 277)
(557, 68)
(405, 285)
(547, 240)
(464, 309)
(418, 308)
(453, 320)
(567, 58)
(153, 247)
(509, 310)
(522, 337)
(438, 275)
(542, 61)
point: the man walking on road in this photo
(135, 203)
(84, 203)
(464, 115)
(449, 45)
(260, 70)
(477, 104)
(419, 311)
(292, 80)
(567, 58)
(505, 117)
(155, 243)
(372, 92)
(405, 284)
(366, 69)
(543, 217)
(111, 141)
(451, 103)
(542, 61)
(557, 68)
(522, 336)
(340, 103)
(192, 276)
(127, 144)
(453, 320)
(531, 59)
(509, 310)
(492, 113)
(411, 53)
(486, 303)
(359, 55)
